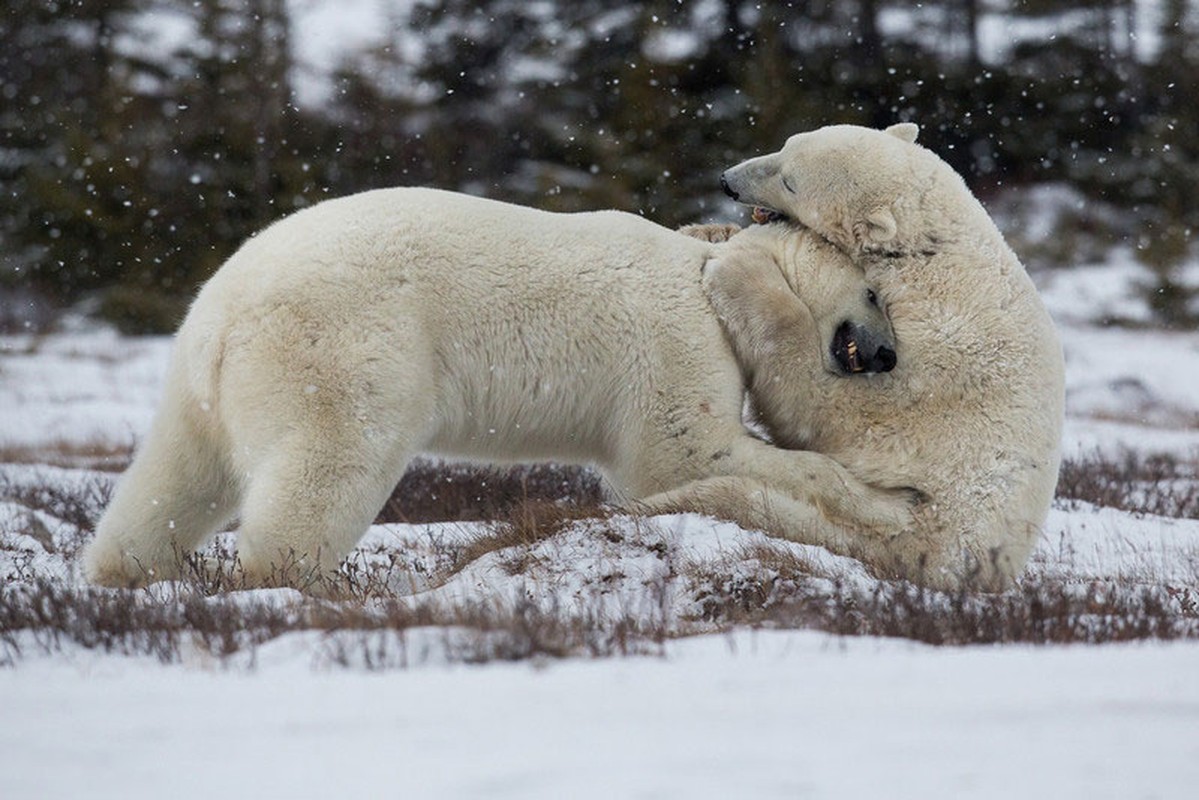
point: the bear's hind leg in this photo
(175, 494)
(307, 505)
(326, 405)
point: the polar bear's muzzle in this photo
(761, 213)
(856, 350)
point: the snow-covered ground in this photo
(765, 713)
(754, 714)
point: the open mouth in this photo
(762, 215)
(845, 350)
(856, 357)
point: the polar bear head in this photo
(787, 285)
(860, 188)
(853, 328)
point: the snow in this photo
(323, 34)
(765, 713)
(751, 713)
(672, 46)
(754, 714)
(1000, 33)
(87, 387)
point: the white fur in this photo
(971, 416)
(344, 339)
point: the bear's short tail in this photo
(177, 492)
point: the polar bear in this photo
(971, 416)
(342, 340)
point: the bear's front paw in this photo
(713, 232)
(884, 512)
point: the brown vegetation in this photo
(360, 618)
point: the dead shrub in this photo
(102, 456)
(432, 491)
(363, 617)
(525, 524)
(742, 587)
(133, 622)
(1160, 484)
(1037, 611)
(477, 633)
(78, 503)
(170, 624)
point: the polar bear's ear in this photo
(881, 226)
(905, 131)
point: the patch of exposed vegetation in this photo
(377, 611)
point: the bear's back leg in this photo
(177, 492)
(308, 503)
(322, 441)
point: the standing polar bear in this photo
(344, 339)
(971, 416)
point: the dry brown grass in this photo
(360, 618)
(1036, 611)
(433, 492)
(206, 614)
(525, 525)
(102, 456)
(77, 503)
(45, 615)
(1162, 484)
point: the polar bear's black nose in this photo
(884, 360)
(724, 184)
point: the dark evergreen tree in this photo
(130, 172)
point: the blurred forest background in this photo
(131, 168)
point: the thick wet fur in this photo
(971, 415)
(343, 340)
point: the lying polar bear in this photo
(344, 339)
(971, 416)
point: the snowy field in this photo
(703, 703)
